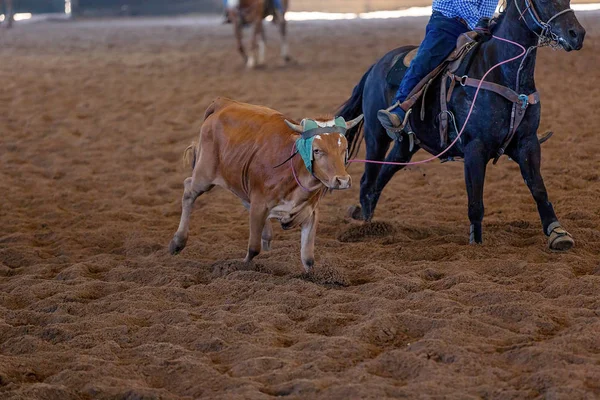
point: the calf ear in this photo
(354, 122)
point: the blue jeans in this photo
(277, 4)
(440, 40)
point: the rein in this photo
(545, 38)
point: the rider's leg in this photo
(440, 40)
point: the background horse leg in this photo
(237, 30)
(475, 166)
(262, 47)
(285, 50)
(528, 155)
(251, 63)
(9, 15)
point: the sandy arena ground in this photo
(94, 117)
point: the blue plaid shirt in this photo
(469, 10)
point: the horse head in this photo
(553, 21)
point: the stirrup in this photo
(394, 131)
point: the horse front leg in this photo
(376, 150)
(528, 155)
(475, 166)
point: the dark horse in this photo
(489, 123)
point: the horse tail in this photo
(189, 155)
(351, 109)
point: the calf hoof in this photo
(266, 245)
(176, 245)
(308, 265)
(560, 239)
(355, 212)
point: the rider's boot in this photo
(393, 119)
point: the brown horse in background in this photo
(9, 15)
(252, 12)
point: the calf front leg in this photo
(258, 219)
(528, 155)
(475, 166)
(309, 233)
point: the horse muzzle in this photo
(572, 37)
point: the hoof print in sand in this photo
(370, 230)
(226, 267)
(323, 275)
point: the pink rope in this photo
(523, 51)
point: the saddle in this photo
(454, 70)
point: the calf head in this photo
(324, 149)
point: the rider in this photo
(229, 4)
(449, 20)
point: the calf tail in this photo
(351, 109)
(189, 155)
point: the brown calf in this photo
(238, 149)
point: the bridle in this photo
(543, 30)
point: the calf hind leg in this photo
(191, 192)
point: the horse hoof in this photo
(176, 246)
(251, 63)
(355, 212)
(560, 240)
